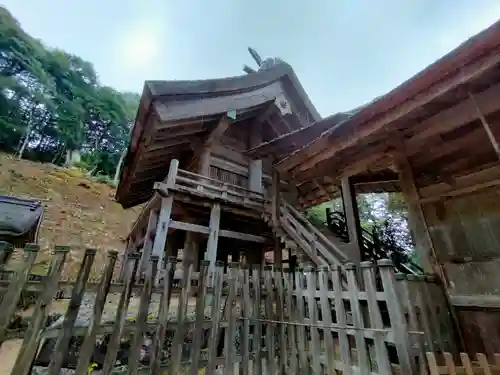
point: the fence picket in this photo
(269, 316)
(32, 336)
(62, 344)
(280, 306)
(291, 316)
(161, 329)
(467, 363)
(247, 314)
(229, 351)
(88, 345)
(383, 365)
(11, 297)
(177, 344)
(326, 314)
(363, 361)
(142, 315)
(216, 316)
(404, 281)
(257, 331)
(448, 360)
(483, 363)
(301, 327)
(314, 346)
(121, 312)
(398, 322)
(200, 317)
(341, 320)
(433, 366)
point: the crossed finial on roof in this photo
(262, 64)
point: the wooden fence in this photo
(239, 320)
(446, 364)
(426, 310)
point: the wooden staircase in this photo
(299, 235)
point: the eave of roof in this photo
(475, 47)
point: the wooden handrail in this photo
(326, 242)
(233, 186)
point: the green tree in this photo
(52, 106)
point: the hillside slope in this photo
(78, 212)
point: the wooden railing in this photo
(189, 182)
(446, 364)
(318, 247)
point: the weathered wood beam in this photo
(417, 219)
(462, 185)
(424, 156)
(326, 147)
(213, 237)
(161, 231)
(243, 236)
(454, 117)
(352, 219)
(218, 131)
(255, 170)
(190, 227)
(476, 301)
(170, 134)
(204, 151)
(227, 153)
(276, 204)
(487, 127)
(321, 188)
(148, 243)
(204, 161)
(359, 163)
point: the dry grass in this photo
(78, 212)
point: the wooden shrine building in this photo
(202, 193)
(436, 138)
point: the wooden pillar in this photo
(278, 254)
(255, 167)
(148, 243)
(130, 247)
(192, 249)
(255, 176)
(275, 194)
(213, 237)
(161, 232)
(352, 219)
(172, 173)
(416, 217)
(204, 166)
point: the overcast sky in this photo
(345, 52)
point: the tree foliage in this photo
(383, 215)
(51, 104)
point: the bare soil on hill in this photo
(79, 212)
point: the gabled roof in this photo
(174, 115)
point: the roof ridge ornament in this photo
(266, 64)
